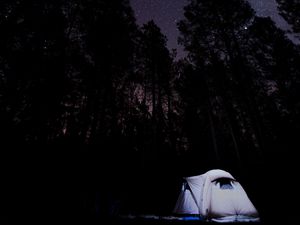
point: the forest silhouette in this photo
(98, 117)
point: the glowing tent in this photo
(215, 196)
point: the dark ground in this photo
(51, 192)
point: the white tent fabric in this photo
(187, 203)
(204, 195)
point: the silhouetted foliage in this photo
(241, 97)
(290, 9)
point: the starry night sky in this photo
(166, 13)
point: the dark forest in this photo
(99, 118)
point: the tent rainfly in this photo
(215, 196)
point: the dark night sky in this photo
(166, 13)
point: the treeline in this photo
(82, 86)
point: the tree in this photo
(152, 121)
(289, 9)
(210, 34)
(64, 69)
(246, 68)
(157, 65)
(32, 53)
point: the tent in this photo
(215, 196)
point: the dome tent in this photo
(215, 196)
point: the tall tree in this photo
(210, 35)
(157, 65)
(154, 98)
(64, 69)
(66, 64)
(246, 83)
